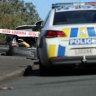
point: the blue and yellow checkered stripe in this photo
(58, 50)
(52, 51)
(77, 32)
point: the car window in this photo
(75, 17)
(26, 28)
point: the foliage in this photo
(2, 37)
(16, 12)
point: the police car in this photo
(68, 36)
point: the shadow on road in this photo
(30, 72)
(62, 71)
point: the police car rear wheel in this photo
(44, 71)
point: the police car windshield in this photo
(75, 17)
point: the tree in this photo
(16, 12)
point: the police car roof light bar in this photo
(61, 5)
(71, 4)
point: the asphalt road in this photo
(77, 83)
(12, 66)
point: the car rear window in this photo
(75, 17)
(25, 29)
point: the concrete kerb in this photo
(10, 75)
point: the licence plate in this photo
(83, 52)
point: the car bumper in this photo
(73, 60)
(30, 53)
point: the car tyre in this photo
(44, 70)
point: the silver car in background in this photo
(23, 46)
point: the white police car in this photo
(68, 36)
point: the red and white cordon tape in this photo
(20, 33)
